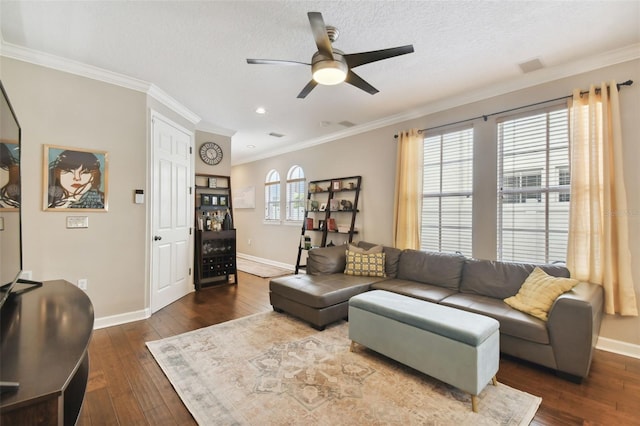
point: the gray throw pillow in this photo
(327, 260)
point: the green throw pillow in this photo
(365, 264)
(538, 292)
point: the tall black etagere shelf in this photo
(215, 245)
(331, 210)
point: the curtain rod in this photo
(486, 117)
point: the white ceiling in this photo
(196, 52)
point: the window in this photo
(296, 195)
(447, 192)
(533, 187)
(272, 196)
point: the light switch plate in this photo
(77, 222)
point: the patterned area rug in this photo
(260, 269)
(272, 369)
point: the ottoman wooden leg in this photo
(474, 403)
(494, 381)
(352, 348)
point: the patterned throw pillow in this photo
(539, 291)
(365, 264)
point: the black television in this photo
(10, 213)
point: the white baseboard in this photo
(618, 347)
(266, 261)
(121, 319)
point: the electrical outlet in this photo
(82, 284)
(249, 241)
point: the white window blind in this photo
(533, 187)
(447, 192)
(296, 195)
(272, 196)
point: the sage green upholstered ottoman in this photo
(457, 347)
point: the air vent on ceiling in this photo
(276, 135)
(346, 123)
(530, 66)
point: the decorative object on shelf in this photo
(75, 178)
(213, 183)
(205, 199)
(346, 205)
(321, 225)
(351, 185)
(214, 200)
(309, 224)
(330, 244)
(307, 243)
(222, 200)
(336, 185)
(211, 153)
(323, 207)
(314, 205)
(331, 224)
(334, 205)
(313, 187)
(227, 222)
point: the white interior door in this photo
(171, 212)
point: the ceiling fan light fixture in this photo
(329, 72)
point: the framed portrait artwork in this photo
(9, 176)
(75, 178)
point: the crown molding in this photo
(58, 63)
(210, 128)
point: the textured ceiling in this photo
(196, 52)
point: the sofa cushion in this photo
(539, 291)
(365, 264)
(326, 260)
(422, 291)
(441, 269)
(322, 290)
(392, 257)
(512, 322)
(500, 279)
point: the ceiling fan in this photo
(331, 66)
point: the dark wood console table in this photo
(45, 342)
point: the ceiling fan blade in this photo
(355, 80)
(308, 88)
(357, 59)
(320, 34)
(274, 62)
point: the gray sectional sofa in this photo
(564, 343)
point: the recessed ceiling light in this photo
(261, 110)
(251, 146)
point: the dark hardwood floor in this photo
(126, 386)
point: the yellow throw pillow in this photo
(538, 292)
(365, 264)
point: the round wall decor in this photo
(211, 153)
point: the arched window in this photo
(295, 194)
(272, 196)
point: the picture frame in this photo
(323, 207)
(213, 183)
(321, 225)
(75, 178)
(223, 200)
(336, 185)
(10, 169)
(205, 200)
(214, 199)
(334, 205)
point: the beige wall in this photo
(372, 155)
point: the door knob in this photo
(157, 238)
